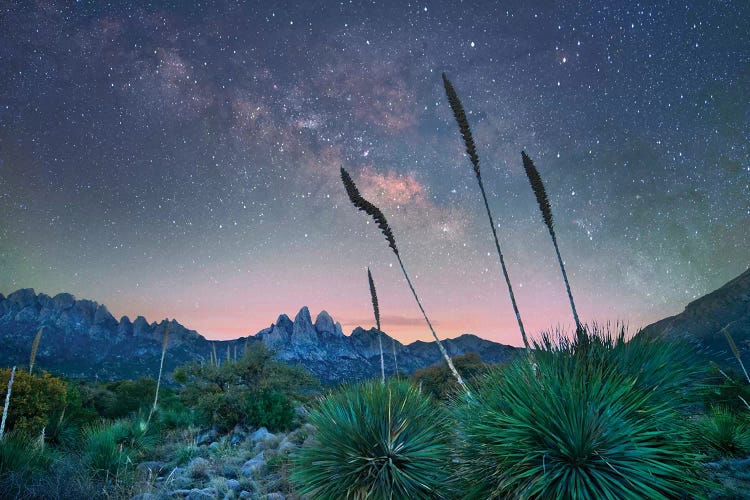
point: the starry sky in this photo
(181, 159)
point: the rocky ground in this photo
(241, 464)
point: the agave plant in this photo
(471, 150)
(578, 424)
(362, 204)
(376, 441)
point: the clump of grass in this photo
(588, 420)
(362, 204)
(722, 433)
(376, 441)
(471, 150)
(541, 197)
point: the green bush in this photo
(271, 409)
(723, 433)
(33, 399)
(592, 417)
(226, 395)
(439, 382)
(376, 441)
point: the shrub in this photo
(722, 433)
(587, 420)
(219, 394)
(33, 399)
(438, 381)
(376, 441)
(271, 409)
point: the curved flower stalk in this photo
(362, 204)
(541, 197)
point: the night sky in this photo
(181, 159)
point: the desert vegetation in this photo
(589, 413)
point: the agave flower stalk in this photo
(7, 402)
(362, 204)
(374, 297)
(471, 150)
(165, 341)
(541, 197)
(34, 347)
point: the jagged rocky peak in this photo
(63, 301)
(324, 325)
(25, 297)
(284, 323)
(303, 330)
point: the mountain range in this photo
(82, 339)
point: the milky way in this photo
(182, 161)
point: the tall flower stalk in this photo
(362, 204)
(7, 402)
(376, 310)
(161, 368)
(471, 150)
(34, 347)
(541, 197)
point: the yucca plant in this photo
(362, 204)
(20, 455)
(722, 433)
(578, 424)
(471, 150)
(541, 197)
(376, 441)
(376, 310)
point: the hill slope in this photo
(702, 322)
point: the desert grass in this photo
(34, 347)
(362, 204)
(7, 402)
(376, 310)
(541, 197)
(471, 150)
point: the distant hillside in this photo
(82, 339)
(702, 322)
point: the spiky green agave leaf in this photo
(362, 204)
(463, 123)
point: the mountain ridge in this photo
(82, 339)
